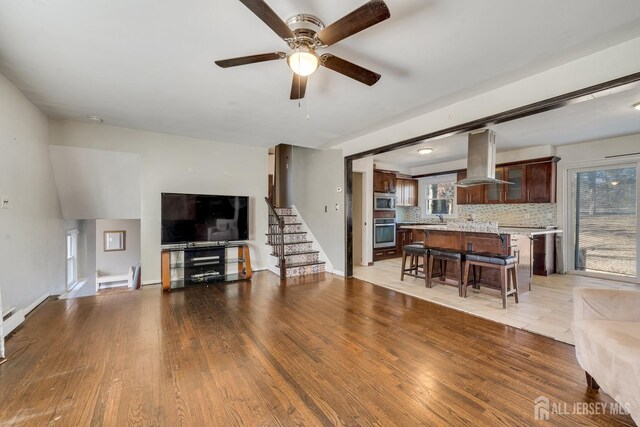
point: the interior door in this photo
(604, 220)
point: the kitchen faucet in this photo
(440, 217)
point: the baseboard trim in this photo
(18, 316)
(36, 303)
(12, 322)
(338, 273)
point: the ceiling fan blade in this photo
(349, 69)
(365, 16)
(269, 17)
(298, 86)
(252, 59)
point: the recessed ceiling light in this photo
(95, 119)
(636, 106)
(614, 183)
(424, 151)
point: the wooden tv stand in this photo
(184, 267)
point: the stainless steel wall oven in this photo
(384, 233)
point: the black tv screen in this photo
(188, 218)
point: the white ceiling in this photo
(149, 64)
(598, 118)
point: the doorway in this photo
(604, 220)
(358, 218)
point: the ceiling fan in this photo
(305, 34)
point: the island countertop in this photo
(523, 231)
(484, 238)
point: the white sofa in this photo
(606, 328)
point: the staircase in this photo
(293, 252)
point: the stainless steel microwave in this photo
(384, 201)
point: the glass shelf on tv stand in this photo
(175, 268)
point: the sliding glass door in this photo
(604, 227)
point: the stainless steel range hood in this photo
(481, 160)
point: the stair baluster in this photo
(276, 235)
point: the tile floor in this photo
(546, 310)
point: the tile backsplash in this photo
(539, 214)
(408, 214)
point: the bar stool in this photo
(508, 266)
(415, 252)
(443, 256)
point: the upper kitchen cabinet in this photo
(470, 195)
(494, 193)
(508, 193)
(384, 182)
(541, 181)
(516, 191)
(532, 181)
(406, 192)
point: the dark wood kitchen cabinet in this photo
(516, 191)
(470, 195)
(544, 254)
(494, 193)
(541, 182)
(406, 192)
(533, 181)
(384, 182)
(385, 253)
(508, 193)
(403, 237)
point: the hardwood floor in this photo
(259, 353)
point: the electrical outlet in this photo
(4, 203)
(337, 206)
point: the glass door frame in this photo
(567, 215)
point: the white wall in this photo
(316, 176)
(32, 232)
(181, 165)
(117, 262)
(95, 184)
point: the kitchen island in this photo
(501, 241)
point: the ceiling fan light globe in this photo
(303, 62)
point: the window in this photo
(604, 219)
(439, 195)
(72, 258)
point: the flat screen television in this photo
(193, 218)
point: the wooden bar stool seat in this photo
(443, 256)
(414, 252)
(508, 266)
